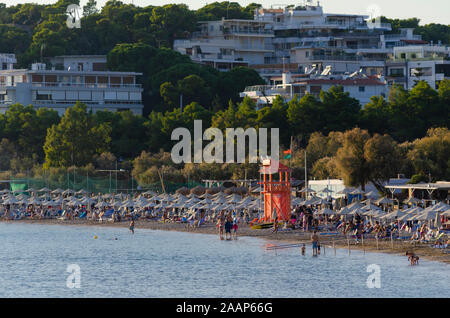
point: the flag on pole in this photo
(288, 153)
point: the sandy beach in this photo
(424, 251)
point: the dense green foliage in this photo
(390, 138)
(140, 39)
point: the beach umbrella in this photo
(10, 200)
(325, 211)
(5, 191)
(355, 205)
(102, 204)
(371, 194)
(57, 191)
(82, 191)
(309, 190)
(234, 198)
(74, 202)
(408, 216)
(88, 201)
(246, 200)
(127, 204)
(384, 200)
(220, 199)
(391, 216)
(31, 190)
(180, 196)
(58, 201)
(34, 201)
(446, 214)
(357, 192)
(44, 190)
(49, 203)
(296, 202)
(205, 201)
(150, 193)
(326, 190)
(68, 191)
(411, 200)
(115, 204)
(345, 191)
(441, 207)
(426, 215)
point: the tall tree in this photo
(76, 139)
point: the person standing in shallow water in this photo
(315, 242)
(132, 226)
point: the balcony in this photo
(249, 32)
(341, 58)
(84, 85)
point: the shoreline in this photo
(294, 236)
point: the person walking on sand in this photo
(132, 226)
(315, 242)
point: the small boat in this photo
(262, 226)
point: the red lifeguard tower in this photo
(277, 194)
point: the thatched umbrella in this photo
(183, 191)
(230, 190)
(242, 190)
(198, 190)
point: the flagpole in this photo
(290, 159)
(306, 178)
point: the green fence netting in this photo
(95, 184)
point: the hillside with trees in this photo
(405, 133)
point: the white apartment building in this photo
(71, 79)
(7, 61)
(410, 64)
(228, 43)
(359, 86)
(300, 39)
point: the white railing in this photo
(84, 85)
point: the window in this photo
(102, 81)
(421, 71)
(35, 78)
(396, 72)
(362, 89)
(115, 81)
(99, 66)
(443, 69)
(43, 96)
(315, 89)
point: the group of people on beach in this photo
(229, 224)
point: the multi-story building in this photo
(228, 43)
(7, 61)
(410, 64)
(299, 39)
(68, 79)
(358, 85)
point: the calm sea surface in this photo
(34, 261)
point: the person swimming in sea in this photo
(303, 249)
(132, 227)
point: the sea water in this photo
(34, 262)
